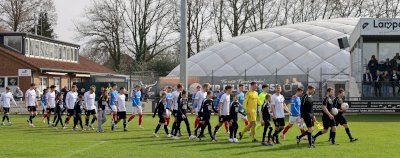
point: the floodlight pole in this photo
(183, 48)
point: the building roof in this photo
(83, 66)
(291, 50)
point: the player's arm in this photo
(220, 106)
(67, 98)
(325, 110)
(13, 100)
(86, 98)
(261, 118)
(286, 108)
(155, 110)
(246, 99)
(273, 111)
(47, 100)
(213, 107)
(26, 99)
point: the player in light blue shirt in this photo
(136, 106)
(295, 102)
(169, 103)
(113, 107)
(241, 102)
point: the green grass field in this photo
(379, 136)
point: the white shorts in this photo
(113, 108)
(295, 119)
(168, 113)
(240, 116)
(136, 110)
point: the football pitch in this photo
(379, 136)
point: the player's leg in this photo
(216, 128)
(134, 109)
(75, 122)
(93, 112)
(327, 124)
(188, 128)
(100, 120)
(48, 114)
(230, 131)
(308, 120)
(342, 121)
(290, 125)
(140, 112)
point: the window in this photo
(388, 51)
(369, 49)
(26, 46)
(43, 84)
(14, 42)
(57, 83)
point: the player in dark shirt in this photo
(206, 108)
(233, 115)
(59, 109)
(307, 113)
(181, 114)
(339, 118)
(265, 117)
(328, 118)
(78, 112)
(161, 112)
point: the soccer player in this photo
(241, 102)
(307, 113)
(51, 104)
(78, 112)
(121, 114)
(174, 108)
(278, 108)
(101, 106)
(161, 108)
(136, 105)
(58, 110)
(233, 116)
(6, 99)
(251, 101)
(169, 102)
(339, 118)
(295, 102)
(113, 107)
(261, 96)
(265, 117)
(216, 107)
(183, 106)
(90, 108)
(205, 113)
(328, 118)
(44, 104)
(223, 109)
(200, 96)
(71, 98)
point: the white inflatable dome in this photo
(290, 49)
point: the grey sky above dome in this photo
(291, 49)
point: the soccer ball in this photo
(334, 111)
(302, 125)
(345, 106)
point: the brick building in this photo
(26, 58)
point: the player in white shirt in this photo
(278, 108)
(5, 100)
(70, 100)
(50, 105)
(200, 97)
(121, 114)
(90, 108)
(31, 103)
(223, 109)
(174, 106)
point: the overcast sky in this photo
(69, 12)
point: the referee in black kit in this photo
(307, 113)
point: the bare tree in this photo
(218, 24)
(103, 30)
(19, 15)
(199, 20)
(149, 28)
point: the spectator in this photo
(393, 63)
(373, 66)
(386, 66)
(18, 94)
(367, 83)
(395, 81)
(378, 84)
(398, 61)
(386, 83)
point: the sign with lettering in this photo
(380, 26)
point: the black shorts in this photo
(340, 119)
(279, 122)
(175, 113)
(49, 110)
(6, 110)
(162, 119)
(223, 118)
(90, 112)
(327, 122)
(32, 108)
(70, 112)
(121, 115)
(308, 120)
